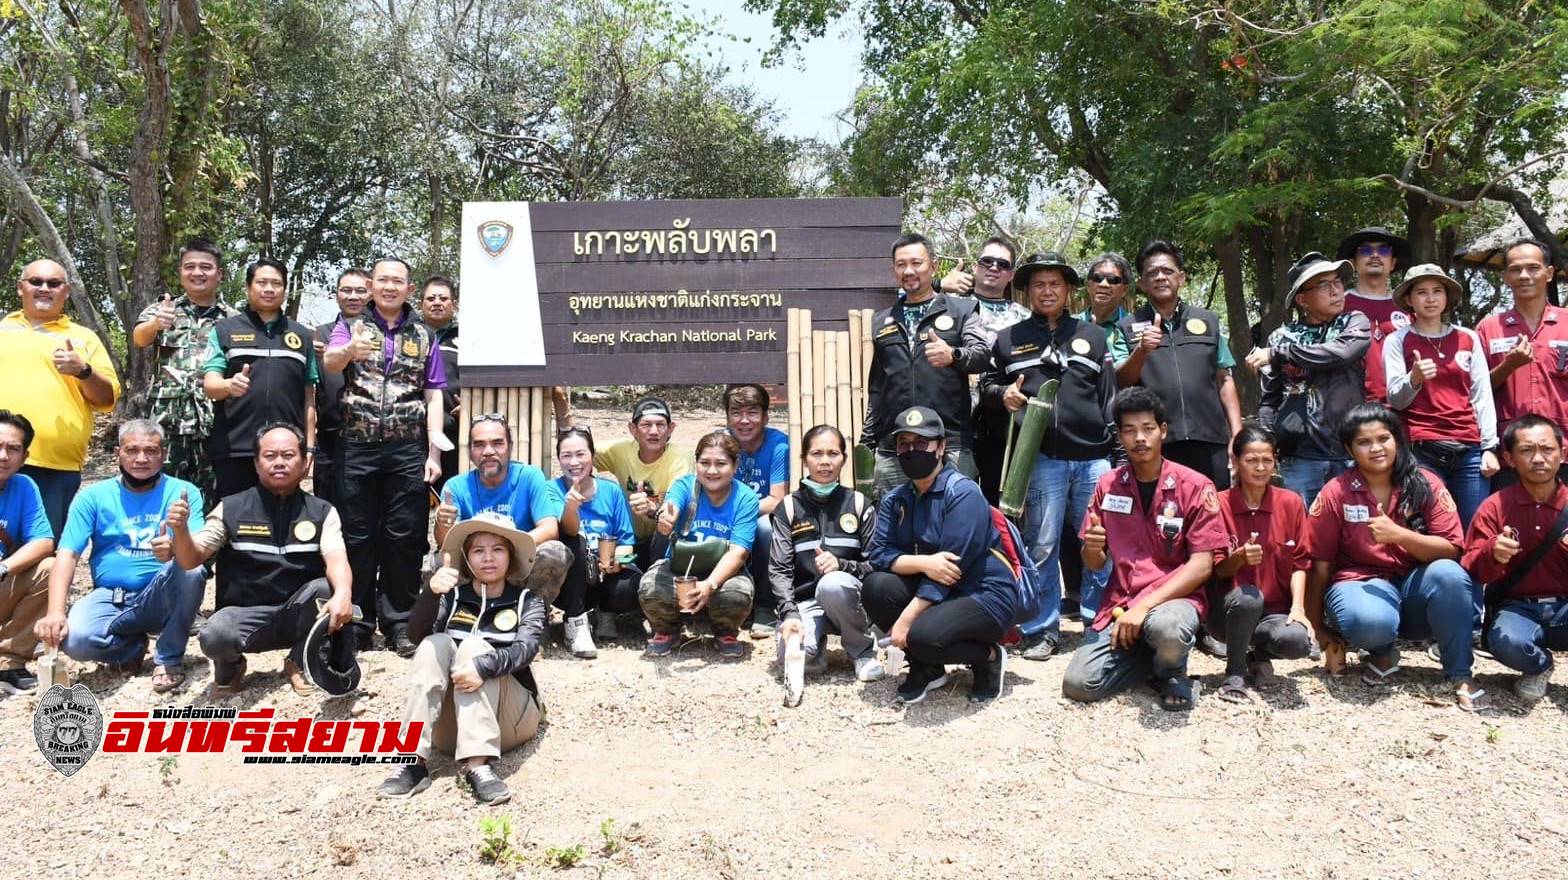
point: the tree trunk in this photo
(437, 223)
(22, 202)
(1228, 252)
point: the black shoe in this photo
(1208, 644)
(18, 681)
(1070, 608)
(400, 641)
(406, 781)
(488, 787)
(364, 639)
(988, 677)
(920, 681)
(1039, 646)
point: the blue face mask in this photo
(820, 490)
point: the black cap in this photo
(651, 406)
(1347, 247)
(1046, 260)
(922, 421)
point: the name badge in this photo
(1117, 503)
(1140, 326)
(1357, 513)
(1502, 344)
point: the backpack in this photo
(1026, 577)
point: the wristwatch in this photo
(86, 373)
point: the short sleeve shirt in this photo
(1340, 534)
(605, 515)
(1540, 386)
(1280, 524)
(654, 479)
(734, 521)
(22, 513)
(768, 466)
(120, 524)
(175, 399)
(525, 495)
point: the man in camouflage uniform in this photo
(181, 328)
(388, 453)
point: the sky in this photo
(808, 87)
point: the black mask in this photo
(134, 484)
(917, 464)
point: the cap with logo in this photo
(651, 406)
(922, 421)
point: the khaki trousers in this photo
(24, 597)
(498, 717)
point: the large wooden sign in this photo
(671, 292)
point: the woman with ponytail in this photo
(1385, 535)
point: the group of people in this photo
(1353, 512)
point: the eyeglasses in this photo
(1327, 284)
(50, 283)
(999, 264)
(1097, 278)
(1369, 249)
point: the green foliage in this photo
(495, 844)
(565, 856)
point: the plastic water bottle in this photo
(794, 669)
(52, 671)
(894, 664)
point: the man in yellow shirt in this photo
(57, 373)
(645, 466)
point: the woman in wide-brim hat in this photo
(478, 628)
(1439, 381)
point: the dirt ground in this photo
(689, 766)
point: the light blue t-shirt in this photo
(525, 495)
(735, 521)
(769, 466)
(121, 525)
(606, 515)
(22, 512)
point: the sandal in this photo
(1469, 696)
(1179, 694)
(1234, 690)
(1262, 674)
(167, 678)
(1374, 676)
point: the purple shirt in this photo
(435, 370)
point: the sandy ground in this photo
(703, 773)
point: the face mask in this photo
(820, 490)
(133, 483)
(917, 463)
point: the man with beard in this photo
(353, 296)
(1375, 253)
(58, 374)
(181, 329)
(137, 585)
(280, 553)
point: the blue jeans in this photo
(1526, 633)
(1464, 481)
(1433, 600)
(99, 630)
(1307, 476)
(1058, 490)
(57, 488)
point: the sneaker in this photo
(1533, 687)
(869, 668)
(20, 681)
(1039, 646)
(406, 781)
(400, 642)
(488, 787)
(661, 644)
(604, 628)
(579, 637)
(730, 647)
(920, 681)
(987, 684)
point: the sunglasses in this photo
(1380, 250)
(1097, 278)
(490, 417)
(574, 431)
(999, 264)
(50, 283)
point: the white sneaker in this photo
(1533, 687)
(869, 668)
(604, 629)
(579, 637)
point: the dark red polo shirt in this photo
(1540, 386)
(1454, 404)
(1281, 525)
(1533, 520)
(1386, 317)
(1338, 532)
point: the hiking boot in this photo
(730, 647)
(1039, 646)
(400, 642)
(988, 676)
(920, 681)
(488, 787)
(869, 668)
(579, 637)
(18, 681)
(661, 644)
(1533, 687)
(406, 781)
(604, 626)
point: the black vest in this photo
(903, 378)
(274, 546)
(832, 524)
(329, 415)
(278, 367)
(1074, 355)
(1182, 372)
(382, 404)
(462, 614)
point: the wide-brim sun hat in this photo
(1311, 266)
(1046, 260)
(522, 543)
(1424, 271)
(1347, 245)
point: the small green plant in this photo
(1494, 734)
(611, 835)
(565, 857)
(495, 845)
(166, 767)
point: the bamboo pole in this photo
(819, 403)
(808, 373)
(867, 331)
(792, 359)
(856, 406)
(537, 420)
(515, 417)
(846, 405)
(464, 419)
(829, 378)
